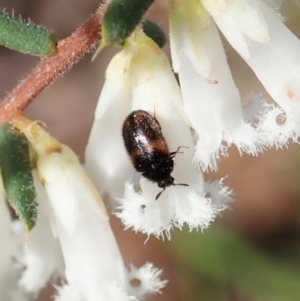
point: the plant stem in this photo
(70, 50)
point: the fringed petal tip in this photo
(145, 281)
(221, 195)
(277, 128)
(140, 213)
(144, 214)
(142, 282)
(206, 160)
(246, 139)
(255, 107)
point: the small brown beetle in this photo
(148, 149)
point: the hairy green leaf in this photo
(26, 37)
(121, 18)
(16, 174)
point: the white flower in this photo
(211, 99)
(86, 257)
(148, 277)
(140, 78)
(94, 269)
(105, 161)
(272, 52)
(43, 257)
(10, 250)
(94, 265)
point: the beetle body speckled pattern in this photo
(148, 149)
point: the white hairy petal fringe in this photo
(174, 208)
(196, 211)
(133, 215)
(43, 258)
(220, 195)
(276, 129)
(275, 61)
(255, 107)
(148, 278)
(105, 158)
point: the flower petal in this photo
(105, 158)
(43, 257)
(66, 185)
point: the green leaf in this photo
(121, 18)
(230, 260)
(153, 31)
(26, 37)
(16, 174)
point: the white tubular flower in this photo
(86, 240)
(211, 99)
(273, 52)
(43, 257)
(94, 269)
(142, 72)
(106, 164)
(10, 250)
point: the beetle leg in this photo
(160, 194)
(180, 184)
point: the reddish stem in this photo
(69, 51)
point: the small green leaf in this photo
(16, 174)
(121, 18)
(153, 31)
(26, 37)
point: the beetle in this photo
(148, 149)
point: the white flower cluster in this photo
(140, 77)
(256, 32)
(204, 114)
(72, 238)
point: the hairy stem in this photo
(70, 50)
